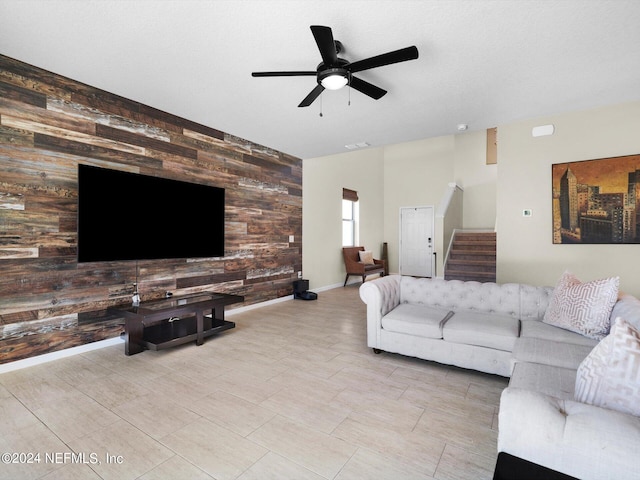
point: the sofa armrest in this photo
(381, 296)
(584, 441)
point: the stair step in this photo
(473, 243)
(482, 236)
(485, 256)
(472, 257)
(471, 266)
(470, 275)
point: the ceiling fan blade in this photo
(285, 74)
(367, 88)
(402, 55)
(315, 93)
(326, 44)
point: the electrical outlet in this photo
(292, 238)
(299, 274)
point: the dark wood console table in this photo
(168, 322)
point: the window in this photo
(349, 217)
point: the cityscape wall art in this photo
(597, 201)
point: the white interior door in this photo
(416, 241)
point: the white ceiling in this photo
(482, 62)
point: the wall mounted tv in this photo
(128, 216)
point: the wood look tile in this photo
(232, 412)
(291, 392)
(438, 399)
(316, 451)
(72, 472)
(416, 450)
(368, 464)
(452, 429)
(155, 415)
(221, 453)
(138, 451)
(75, 416)
(460, 464)
(308, 408)
(274, 467)
(113, 390)
(176, 468)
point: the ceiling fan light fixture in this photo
(333, 78)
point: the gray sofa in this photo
(498, 329)
(467, 324)
(541, 422)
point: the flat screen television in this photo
(129, 216)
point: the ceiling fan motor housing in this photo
(336, 69)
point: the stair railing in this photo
(448, 220)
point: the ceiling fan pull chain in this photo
(321, 105)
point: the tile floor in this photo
(292, 392)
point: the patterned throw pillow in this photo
(584, 308)
(610, 375)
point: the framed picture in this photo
(597, 201)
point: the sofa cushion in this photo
(482, 329)
(627, 307)
(537, 329)
(581, 440)
(583, 307)
(556, 381)
(417, 320)
(548, 352)
(610, 376)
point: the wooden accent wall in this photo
(48, 125)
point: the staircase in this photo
(472, 257)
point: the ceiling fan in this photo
(334, 72)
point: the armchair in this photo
(354, 266)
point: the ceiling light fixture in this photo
(462, 127)
(333, 78)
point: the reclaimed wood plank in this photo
(41, 145)
(125, 136)
(23, 95)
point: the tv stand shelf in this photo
(160, 324)
(169, 334)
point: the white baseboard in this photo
(67, 352)
(327, 287)
(234, 311)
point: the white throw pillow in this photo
(583, 308)
(610, 375)
(366, 257)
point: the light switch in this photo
(527, 212)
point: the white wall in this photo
(526, 252)
(416, 174)
(323, 179)
(477, 179)
(387, 178)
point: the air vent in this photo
(355, 146)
